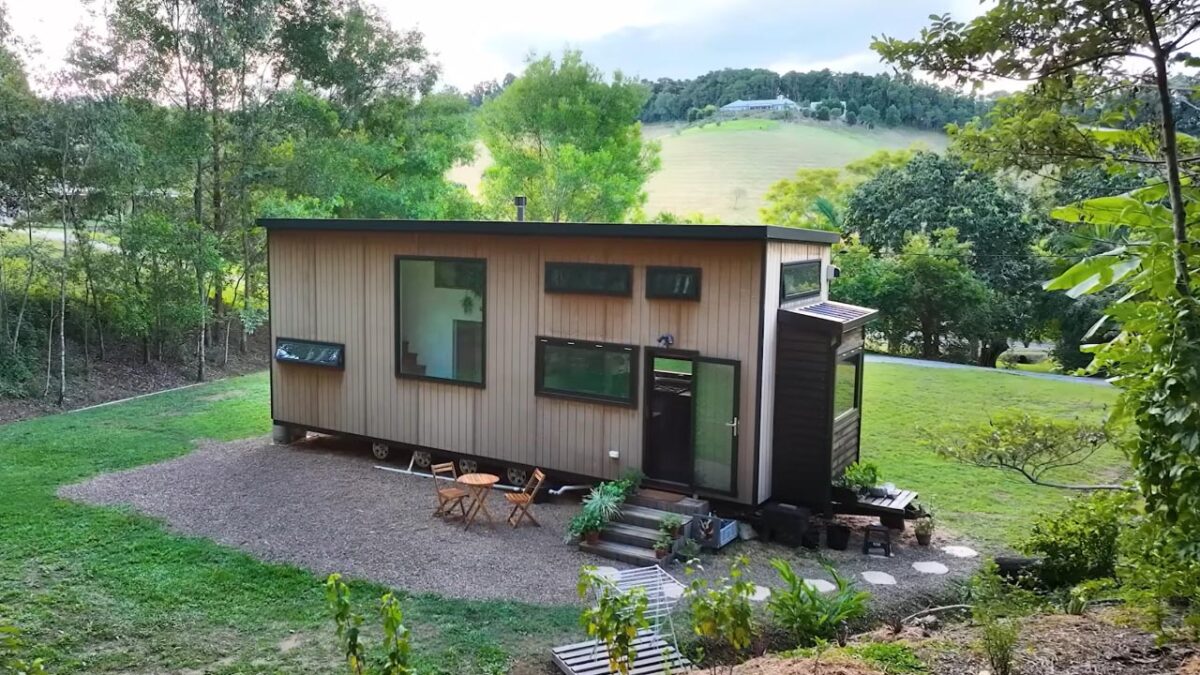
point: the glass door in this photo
(715, 423)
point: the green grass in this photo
(105, 590)
(988, 505)
(724, 171)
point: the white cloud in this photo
(862, 61)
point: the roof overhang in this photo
(828, 316)
(545, 229)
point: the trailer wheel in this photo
(422, 459)
(381, 450)
(516, 475)
(468, 466)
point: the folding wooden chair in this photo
(450, 496)
(522, 500)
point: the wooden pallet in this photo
(654, 656)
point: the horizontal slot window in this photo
(309, 352)
(800, 280)
(681, 283)
(593, 371)
(589, 278)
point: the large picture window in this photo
(310, 352)
(798, 280)
(845, 386)
(680, 283)
(593, 371)
(590, 278)
(440, 309)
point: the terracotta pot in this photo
(924, 539)
(592, 538)
(660, 553)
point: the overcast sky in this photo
(483, 39)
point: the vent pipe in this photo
(519, 202)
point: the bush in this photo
(992, 597)
(396, 646)
(810, 615)
(721, 612)
(1079, 543)
(999, 644)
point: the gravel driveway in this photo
(323, 506)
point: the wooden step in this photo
(634, 535)
(669, 501)
(634, 555)
(631, 514)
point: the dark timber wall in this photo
(803, 387)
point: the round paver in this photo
(607, 572)
(930, 567)
(673, 591)
(879, 578)
(959, 551)
(760, 593)
(820, 585)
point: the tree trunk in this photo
(991, 350)
(49, 352)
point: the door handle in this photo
(733, 425)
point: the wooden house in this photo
(707, 356)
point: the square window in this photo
(440, 326)
(589, 278)
(580, 369)
(681, 283)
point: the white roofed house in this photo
(780, 102)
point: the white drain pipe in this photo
(409, 472)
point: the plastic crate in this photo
(726, 530)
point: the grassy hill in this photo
(724, 170)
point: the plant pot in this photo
(677, 532)
(923, 538)
(660, 553)
(837, 537)
(592, 538)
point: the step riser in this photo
(623, 537)
(685, 506)
(625, 556)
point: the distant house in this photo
(767, 104)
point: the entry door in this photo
(715, 423)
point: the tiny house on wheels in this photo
(707, 356)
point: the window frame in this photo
(340, 365)
(663, 269)
(628, 269)
(397, 333)
(539, 359)
(784, 267)
(857, 356)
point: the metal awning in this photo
(830, 316)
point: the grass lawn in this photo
(103, 590)
(988, 505)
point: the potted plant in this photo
(586, 525)
(672, 523)
(862, 477)
(837, 536)
(923, 528)
(662, 545)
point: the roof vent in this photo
(519, 202)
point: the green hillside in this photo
(724, 170)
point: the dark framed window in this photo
(680, 283)
(441, 319)
(845, 384)
(586, 370)
(799, 280)
(590, 278)
(310, 352)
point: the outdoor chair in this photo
(448, 497)
(523, 500)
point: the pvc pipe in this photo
(410, 472)
(569, 488)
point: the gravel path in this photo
(324, 507)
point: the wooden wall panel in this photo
(505, 420)
(777, 254)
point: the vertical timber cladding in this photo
(778, 253)
(339, 287)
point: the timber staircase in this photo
(630, 537)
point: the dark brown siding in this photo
(800, 457)
(845, 442)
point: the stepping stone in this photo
(879, 578)
(930, 567)
(820, 585)
(607, 572)
(760, 593)
(959, 551)
(673, 591)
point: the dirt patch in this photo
(1063, 645)
(773, 665)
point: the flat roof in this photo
(544, 229)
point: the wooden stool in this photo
(877, 539)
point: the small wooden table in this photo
(480, 486)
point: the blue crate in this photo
(725, 532)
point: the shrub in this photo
(991, 596)
(999, 644)
(811, 615)
(396, 646)
(721, 612)
(891, 657)
(1080, 543)
(10, 662)
(1161, 577)
(615, 619)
